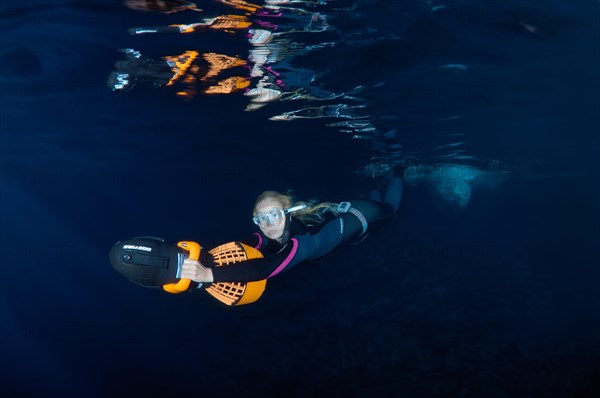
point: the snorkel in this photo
(286, 232)
(295, 208)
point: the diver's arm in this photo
(245, 271)
(263, 268)
(202, 271)
(206, 271)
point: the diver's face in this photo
(271, 219)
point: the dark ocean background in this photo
(485, 285)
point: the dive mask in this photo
(274, 216)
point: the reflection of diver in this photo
(264, 25)
(276, 34)
(289, 233)
(194, 71)
(269, 34)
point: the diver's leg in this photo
(375, 196)
(393, 192)
(374, 214)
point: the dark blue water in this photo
(486, 285)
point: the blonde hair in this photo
(312, 214)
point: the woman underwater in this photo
(289, 233)
(293, 232)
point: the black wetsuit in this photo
(310, 242)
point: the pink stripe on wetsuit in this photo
(288, 259)
(260, 241)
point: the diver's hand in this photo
(192, 269)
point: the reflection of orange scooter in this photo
(189, 73)
(196, 73)
(151, 262)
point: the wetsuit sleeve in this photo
(260, 268)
